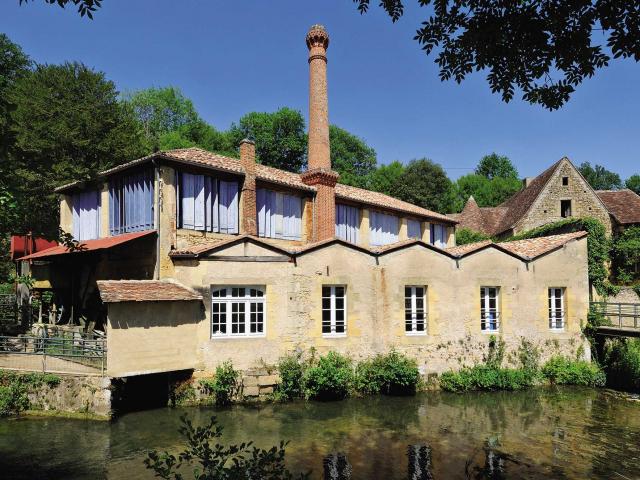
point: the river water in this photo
(539, 433)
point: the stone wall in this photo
(584, 202)
(74, 395)
(626, 295)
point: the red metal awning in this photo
(89, 245)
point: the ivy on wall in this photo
(465, 236)
(626, 255)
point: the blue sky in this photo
(249, 55)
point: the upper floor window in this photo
(383, 228)
(565, 208)
(131, 202)
(237, 311)
(207, 204)
(556, 308)
(438, 235)
(565, 181)
(86, 215)
(415, 311)
(413, 229)
(334, 310)
(348, 223)
(489, 309)
(279, 215)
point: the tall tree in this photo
(543, 48)
(425, 183)
(351, 157)
(68, 125)
(384, 178)
(633, 183)
(280, 137)
(487, 192)
(496, 166)
(599, 177)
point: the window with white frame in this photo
(489, 309)
(413, 229)
(279, 215)
(237, 311)
(415, 309)
(556, 308)
(334, 310)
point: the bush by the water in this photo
(622, 363)
(291, 369)
(14, 389)
(224, 385)
(485, 377)
(563, 371)
(331, 378)
(391, 374)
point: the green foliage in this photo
(496, 166)
(495, 353)
(384, 178)
(13, 399)
(598, 244)
(633, 183)
(622, 364)
(85, 7)
(486, 192)
(15, 387)
(563, 371)
(183, 393)
(224, 385)
(291, 370)
(216, 461)
(543, 49)
(330, 378)
(280, 137)
(351, 157)
(465, 236)
(626, 255)
(483, 377)
(425, 183)
(391, 374)
(599, 177)
(528, 355)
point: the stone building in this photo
(557, 193)
(190, 258)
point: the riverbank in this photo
(546, 432)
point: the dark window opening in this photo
(565, 181)
(565, 208)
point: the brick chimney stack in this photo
(319, 173)
(248, 197)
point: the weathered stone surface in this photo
(74, 394)
(268, 380)
(253, 391)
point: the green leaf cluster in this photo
(391, 374)
(622, 364)
(484, 377)
(224, 384)
(15, 387)
(465, 236)
(626, 255)
(331, 378)
(563, 371)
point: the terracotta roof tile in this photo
(114, 291)
(534, 247)
(468, 248)
(624, 205)
(381, 200)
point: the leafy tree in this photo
(543, 48)
(383, 178)
(487, 192)
(626, 255)
(633, 183)
(68, 125)
(161, 111)
(465, 236)
(494, 165)
(280, 137)
(599, 177)
(425, 183)
(351, 157)
(85, 7)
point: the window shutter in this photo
(187, 189)
(413, 229)
(296, 211)
(199, 202)
(261, 205)
(228, 207)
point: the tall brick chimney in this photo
(248, 196)
(319, 173)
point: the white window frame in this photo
(413, 310)
(552, 296)
(228, 300)
(485, 302)
(332, 309)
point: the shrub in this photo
(330, 379)
(622, 362)
(224, 385)
(626, 255)
(528, 356)
(563, 371)
(291, 371)
(465, 236)
(484, 377)
(13, 399)
(391, 374)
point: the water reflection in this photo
(549, 433)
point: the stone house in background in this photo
(558, 193)
(190, 258)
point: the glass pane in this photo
(339, 291)
(407, 303)
(340, 303)
(326, 303)
(339, 327)
(326, 291)
(407, 291)
(339, 315)
(234, 292)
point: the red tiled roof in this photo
(381, 200)
(624, 205)
(89, 245)
(114, 291)
(468, 248)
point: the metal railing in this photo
(622, 315)
(490, 320)
(65, 354)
